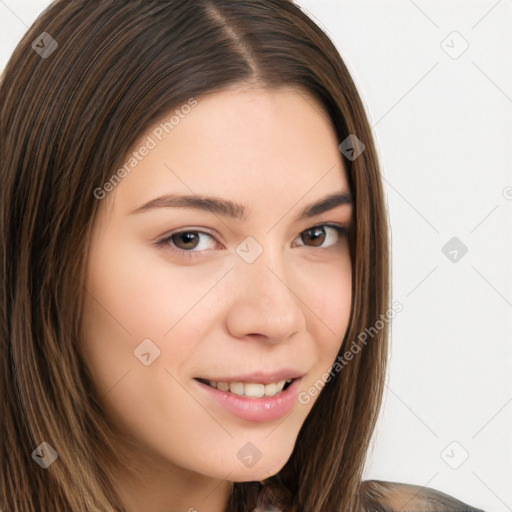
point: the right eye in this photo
(185, 242)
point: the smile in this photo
(251, 389)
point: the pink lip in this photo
(260, 377)
(266, 408)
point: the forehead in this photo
(241, 143)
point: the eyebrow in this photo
(235, 210)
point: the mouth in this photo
(250, 389)
(253, 401)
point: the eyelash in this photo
(167, 241)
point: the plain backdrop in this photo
(436, 81)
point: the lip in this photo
(266, 408)
(259, 377)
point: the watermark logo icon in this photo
(455, 455)
(249, 454)
(45, 455)
(454, 45)
(44, 45)
(352, 147)
(146, 352)
(249, 250)
(454, 249)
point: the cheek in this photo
(327, 293)
(128, 301)
(329, 298)
(133, 295)
(142, 295)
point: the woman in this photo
(194, 238)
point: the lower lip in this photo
(266, 408)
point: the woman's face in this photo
(257, 297)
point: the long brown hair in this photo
(68, 119)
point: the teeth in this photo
(222, 386)
(237, 388)
(252, 389)
(271, 389)
(280, 386)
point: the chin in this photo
(259, 472)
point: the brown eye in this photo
(315, 235)
(185, 240)
(322, 236)
(188, 243)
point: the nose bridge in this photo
(264, 267)
(264, 300)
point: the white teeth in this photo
(280, 386)
(252, 389)
(237, 388)
(222, 386)
(270, 389)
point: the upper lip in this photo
(259, 377)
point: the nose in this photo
(265, 300)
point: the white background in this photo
(443, 127)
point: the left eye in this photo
(189, 242)
(318, 234)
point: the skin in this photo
(275, 152)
